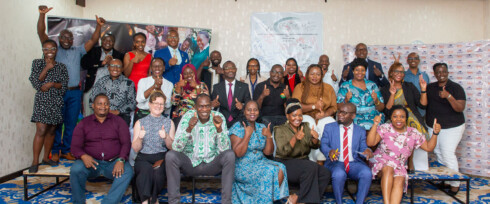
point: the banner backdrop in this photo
(191, 40)
(275, 37)
(469, 66)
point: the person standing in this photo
(374, 70)
(174, 58)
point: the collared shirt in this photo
(103, 54)
(272, 105)
(227, 86)
(283, 134)
(71, 57)
(175, 52)
(144, 84)
(120, 92)
(350, 132)
(414, 79)
(204, 143)
(103, 141)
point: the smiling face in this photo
(253, 67)
(215, 58)
(251, 111)
(324, 62)
(188, 74)
(173, 39)
(346, 114)
(101, 106)
(157, 106)
(203, 108)
(49, 50)
(230, 71)
(399, 119)
(314, 75)
(276, 74)
(441, 74)
(295, 118)
(398, 74)
(361, 51)
(66, 39)
(413, 60)
(107, 43)
(115, 68)
(291, 67)
(185, 45)
(157, 68)
(359, 73)
(139, 43)
(202, 41)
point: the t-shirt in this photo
(441, 109)
(272, 105)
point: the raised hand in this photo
(248, 129)
(142, 132)
(334, 154)
(397, 59)
(206, 62)
(266, 91)
(238, 105)
(374, 95)
(377, 119)
(219, 70)
(267, 131)
(100, 21)
(423, 83)
(334, 78)
(158, 82)
(173, 60)
(348, 95)
(392, 88)
(242, 80)
(345, 73)
(377, 71)
(320, 115)
(313, 133)
(107, 59)
(181, 83)
(217, 121)
(162, 133)
(192, 122)
(319, 104)
(49, 64)
(44, 9)
(444, 93)
(215, 103)
(300, 134)
(300, 73)
(286, 92)
(436, 127)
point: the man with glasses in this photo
(271, 95)
(345, 145)
(70, 56)
(374, 71)
(413, 73)
(174, 58)
(119, 89)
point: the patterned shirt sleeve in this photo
(181, 136)
(342, 92)
(97, 89)
(128, 102)
(418, 137)
(34, 77)
(223, 141)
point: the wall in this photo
(346, 21)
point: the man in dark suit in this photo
(94, 60)
(374, 70)
(174, 58)
(345, 145)
(230, 95)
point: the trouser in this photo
(177, 161)
(273, 120)
(70, 111)
(445, 150)
(316, 154)
(313, 179)
(79, 175)
(149, 181)
(358, 171)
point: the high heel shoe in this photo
(33, 169)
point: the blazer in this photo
(331, 140)
(412, 96)
(91, 62)
(172, 73)
(240, 92)
(372, 77)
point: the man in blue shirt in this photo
(70, 56)
(413, 72)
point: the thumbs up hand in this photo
(162, 132)
(436, 127)
(238, 104)
(142, 133)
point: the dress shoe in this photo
(453, 193)
(50, 163)
(55, 157)
(68, 156)
(33, 169)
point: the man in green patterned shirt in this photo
(201, 147)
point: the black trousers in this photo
(207, 77)
(149, 181)
(312, 178)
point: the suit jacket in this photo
(331, 140)
(240, 92)
(91, 62)
(372, 77)
(172, 73)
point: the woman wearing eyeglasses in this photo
(50, 79)
(153, 137)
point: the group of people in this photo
(261, 134)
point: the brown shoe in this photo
(55, 157)
(68, 156)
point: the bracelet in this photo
(377, 103)
(423, 92)
(435, 133)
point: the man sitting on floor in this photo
(201, 147)
(101, 144)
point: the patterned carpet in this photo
(208, 191)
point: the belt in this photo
(74, 88)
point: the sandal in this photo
(33, 169)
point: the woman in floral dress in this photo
(397, 141)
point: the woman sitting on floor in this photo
(396, 143)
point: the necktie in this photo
(346, 149)
(230, 101)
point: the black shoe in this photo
(33, 169)
(443, 186)
(453, 193)
(411, 171)
(50, 163)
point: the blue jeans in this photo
(79, 174)
(70, 111)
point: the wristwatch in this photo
(120, 159)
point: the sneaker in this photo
(68, 156)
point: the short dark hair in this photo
(156, 94)
(438, 65)
(157, 58)
(399, 107)
(202, 95)
(101, 95)
(141, 34)
(110, 35)
(359, 62)
(50, 41)
(258, 63)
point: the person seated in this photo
(174, 58)
(101, 144)
(373, 71)
(148, 85)
(252, 78)
(396, 143)
(271, 96)
(137, 61)
(317, 102)
(250, 141)
(229, 95)
(294, 141)
(186, 91)
(201, 147)
(400, 92)
(362, 93)
(153, 138)
(328, 74)
(293, 75)
(345, 145)
(119, 89)
(95, 62)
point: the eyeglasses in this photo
(398, 72)
(228, 68)
(413, 58)
(66, 38)
(115, 65)
(343, 112)
(49, 49)
(441, 72)
(158, 104)
(173, 37)
(276, 72)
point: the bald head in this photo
(413, 60)
(324, 62)
(361, 51)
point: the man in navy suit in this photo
(174, 58)
(230, 95)
(345, 144)
(374, 70)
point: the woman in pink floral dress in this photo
(397, 141)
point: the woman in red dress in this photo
(137, 61)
